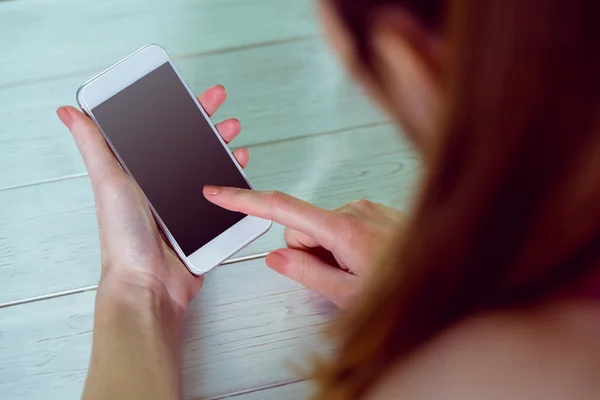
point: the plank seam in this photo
(268, 143)
(320, 134)
(94, 71)
(44, 181)
(84, 289)
(255, 389)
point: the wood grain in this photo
(48, 39)
(48, 233)
(244, 330)
(278, 92)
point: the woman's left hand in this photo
(133, 251)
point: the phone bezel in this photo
(121, 75)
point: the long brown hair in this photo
(509, 209)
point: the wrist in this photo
(139, 293)
(136, 336)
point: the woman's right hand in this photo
(331, 252)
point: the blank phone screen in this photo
(172, 152)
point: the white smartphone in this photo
(163, 138)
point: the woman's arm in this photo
(144, 288)
(135, 349)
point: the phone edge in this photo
(80, 99)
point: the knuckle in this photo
(276, 201)
(91, 143)
(237, 198)
(304, 273)
(381, 205)
(358, 208)
(82, 144)
(363, 204)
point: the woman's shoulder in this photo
(550, 351)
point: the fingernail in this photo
(276, 261)
(65, 116)
(210, 190)
(222, 87)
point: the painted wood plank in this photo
(44, 39)
(244, 330)
(48, 233)
(292, 391)
(280, 91)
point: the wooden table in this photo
(310, 133)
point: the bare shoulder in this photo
(549, 352)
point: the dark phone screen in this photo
(172, 152)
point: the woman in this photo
(491, 291)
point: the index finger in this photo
(279, 207)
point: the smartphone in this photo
(162, 137)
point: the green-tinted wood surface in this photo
(42, 39)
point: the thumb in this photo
(97, 156)
(338, 286)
